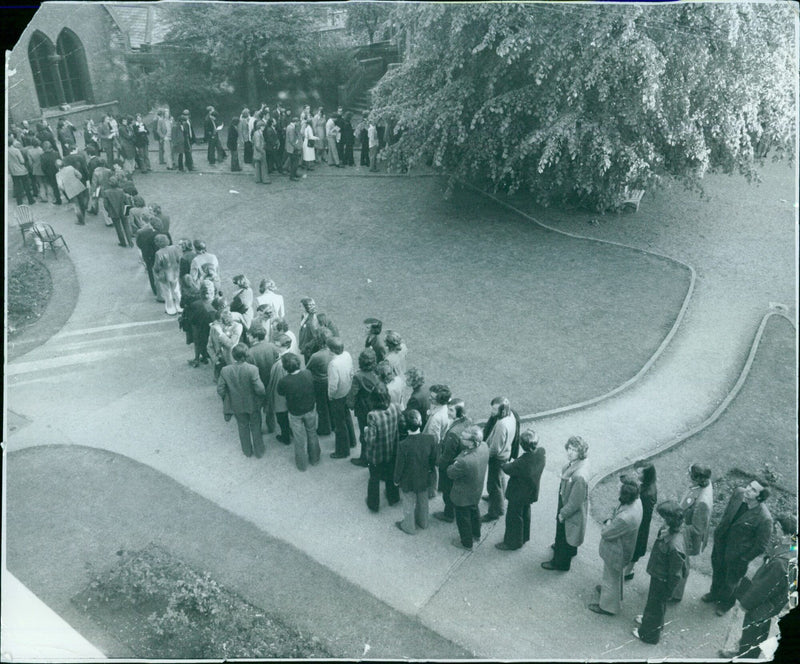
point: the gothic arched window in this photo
(43, 60)
(72, 67)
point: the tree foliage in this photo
(576, 102)
(257, 51)
(365, 19)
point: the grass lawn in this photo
(486, 301)
(76, 508)
(759, 424)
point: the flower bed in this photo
(161, 608)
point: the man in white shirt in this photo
(499, 442)
(340, 380)
(437, 424)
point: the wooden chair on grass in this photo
(25, 222)
(48, 237)
(632, 197)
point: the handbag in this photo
(310, 142)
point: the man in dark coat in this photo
(767, 593)
(146, 241)
(522, 490)
(416, 459)
(375, 339)
(201, 313)
(49, 168)
(742, 535)
(263, 355)
(114, 202)
(242, 394)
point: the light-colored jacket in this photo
(574, 493)
(340, 375)
(697, 504)
(69, 181)
(618, 537)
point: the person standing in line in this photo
(188, 141)
(374, 339)
(106, 137)
(437, 424)
(201, 314)
(358, 399)
(317, 364)
(333, 137)
(298, 389)
(306, 334)
(493, 417)
(166, 269)
(263, 355)
(448, 451)
(202, 257)
(666, 567)
(742, 535)
(420, 399)
(648, 493)
(50, 169)
(245, 139)
(187, 256)
(178, 143)
(372, 139)
(381, 436)
(100, 178)
(210, 135)
(348, 140)
(309, 153)
(522, 491)
(276, 403)
(260, 155)
(499, 442)
(18, 170)
(318, 125)
(114, 205)
(33, 152)
(233, 144)
(142, 144)
(293, 146)
(223, 335)
(617, 541)
(573, 506)
(396, 352)
(164, 136)
(340, 381)
(242, 392)
(271, 146)
(773, 586)
(416, 459)
(468, 473)
(697, 504)
(268, 295)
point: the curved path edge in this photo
(711, 419)
(658, 352)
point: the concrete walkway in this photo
(116, 377)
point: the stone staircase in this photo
(372, 62)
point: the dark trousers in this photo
(377, 473)
(81, 202)
(495, 484)
(654, 610)
(445, 484)
(362, 423)
(294, 163)
(283, 423)
(23, 188)
(563, 551)
(518, 524)
(121, 237)
(211, 154)
(754, 633)
(272, 161)
(235, 166)
(250, 433)
(200, 337)
(725, 577)
(143, 158)
(347, 157)
(323, 412)
(51, 180)
(468, 521)
(343, 425)
(187, 156)
(248, 152)
(148, 265)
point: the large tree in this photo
(576, 102)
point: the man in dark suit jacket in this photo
(146, 241)
(114, 202)
(416, 458)
(242, 394)
(742, 535)
(263, 355)
(522, 490)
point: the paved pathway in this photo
(115, 377)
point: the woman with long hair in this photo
(648, 493)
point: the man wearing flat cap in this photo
(375, 338)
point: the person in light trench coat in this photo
(573, 506)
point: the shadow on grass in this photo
(73, 508)
(754, 438)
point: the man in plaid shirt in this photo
(381, 436)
